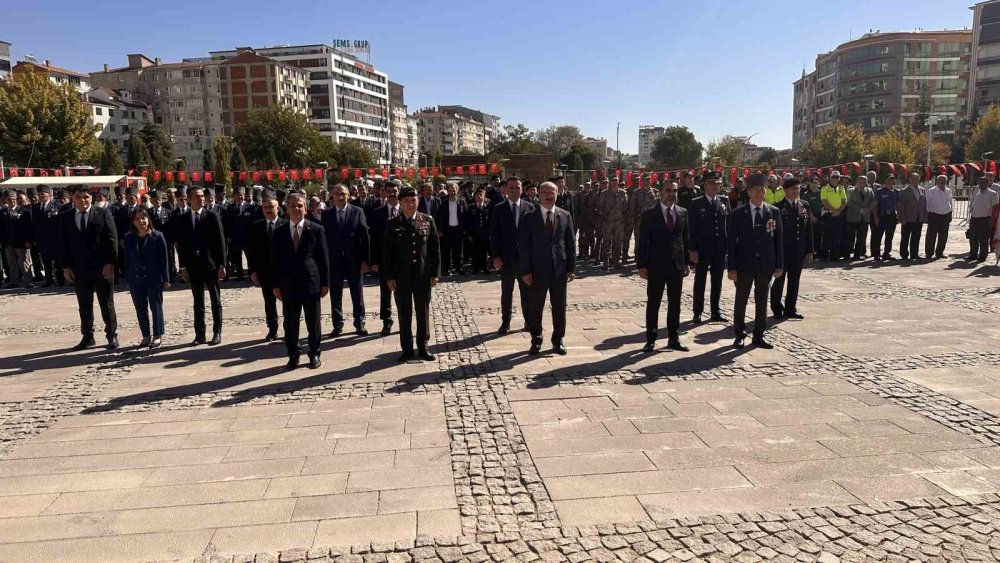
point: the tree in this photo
(677, 147)
(727, 151)
(835, 144)
(156, 138)
(110, 162)
(279, 130)
(985, 135)
(138, 154)
(207, 162)
(581, 157)
(238, 163)
(558, 139)
(919, 121)
(514, 139)
(468, 152)
(159, 160)
(352, 154)
(42, 124)
(271, 162)
(767, 156)
(437, 158)
(895, 144)
(940, 151)
(223, 149)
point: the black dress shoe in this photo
(761, 343)
(386, 329)
(337, 331)
(407, 356)
(198, 340)
(778, 316)
(649, 347)
(113, 343)
(362, 331)
(696, 319)
(535, 349)
(794, 316)
(216, 340)
(718, 319)
(271, 335)
(676, 345)
(426, 356)
(87, 342)
(740, 342)
(315, 362)
(559, 348)
(293, 363)
(504, 329)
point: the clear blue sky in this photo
(715, 66)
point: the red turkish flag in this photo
(447, 170)
(306, 174)
(282, 175)
(594, 175)
(318, 173)
(13, 173)
(494, 168)
(345, 173)
(435, 171)
(170, 176)
(156, 175)
(256, 175)
(423, 172)
(732, 175)
(294, 174)
(410, 172)
(29, 172)
(196, 176)
(144, 173)
(269, 175)
(628, 179)
(209, 176)
(243, 175)
(746, 172)
(482, 169)
(182, 176)
(59, 172)
(905, 169)
(459, 170)
(357, 173)
(385, 173)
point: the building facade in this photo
(250, 81)
(985, 87)
(348, 99)
(648, 134)
(117, 114)
(77, 80)
(882, 79)
(405, 139)
(449, 133)
(491, 123)
(5, 65)
(599, 146)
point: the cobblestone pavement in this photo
(871, 432)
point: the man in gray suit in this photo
(547, 260)
(912, 215)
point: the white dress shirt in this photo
(452, 213)
(983, 202)
(668, 210)
(79, 217)
(938, 200)
(299, 227)
(753, 214)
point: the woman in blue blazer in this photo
(147, 274)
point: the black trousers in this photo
(885, 228)
(909, 240)
(451, 249)
(979, 237)
(270, 307)
(554, 289)
(410, 299)
(792, 275)
(833, 235)
(478, 249)
(293, 306)
(385, 301)
(673, 281)
(36, 262)
(701, 270)
(857, 239)
(171, 259)
(817, 228)
(759, 282)
(200, 281)
(355, 284)
(85, 290)
(234, 259)
(48, 263)
(508, 277)
(937, 234)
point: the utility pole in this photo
(617, 146)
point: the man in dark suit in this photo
(504, 237)
(45, 220)
(547, 244)
(662, 252)
(179, 213)
(450, 217)
(201, 249)
(302, 276)
(477, 227)
(756, 254)
(88, 251)
(379, 219)
(429, 202)
(411, 264)
(261, 270)
(798, 250)
(709, 216)
(123, 223)
(348, 243)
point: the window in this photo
(98, 111)
(125, 129)
(112, 127)
(121, 78)
(111, 113)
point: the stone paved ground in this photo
(871, 432)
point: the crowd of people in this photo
(300, 248)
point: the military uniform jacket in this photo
(641, 200)
(411, 253)
(710, 228)
(16, 227)
(755, 247)
(45, 223)
(686, 195)
(477, 221)
(796, 228)
(611, 206)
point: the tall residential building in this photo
(405, 143)
(599, 146)
(4, 60)
(449, 132)
(648, 134)
(985, 88)
(250, 81)
(118, 113)
(79, 81)
(491, 123)
(879, 79)
(348, 98)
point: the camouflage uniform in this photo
(640, 200)
(597, 233)
(611, 208)
(583, 218)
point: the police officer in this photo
(477, 225)
(688, 190)
(709, 217)
(797, 239)
(411, 264)
(45, 220)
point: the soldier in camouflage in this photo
(612, 205)
(583, 218)
(597, 248)
(641, 199)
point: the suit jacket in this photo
(201, 249)
(259, 255)
(432, 209)
(304, 272)
(123, 220)
(504, 231)
(659, 249)
(796, 226)
(45, 225)
(477, 220)
(376, 232)
(346, 240)
(148, 265)
(444, 214)
(87, 253)
(709, 228)
(543, 254)
(411, 254)
(16, 228)
(912, 205)
(753, 248)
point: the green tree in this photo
(985, 135)
(677, 147)
(110, 161)
(156, 138)
(767, 156)
(159, 160)
(223, 152)
(138, 153)
(557, 140)
(835, 144)
(893, 145)
(514, 139)
(581, 157)
(43, 124)
(351, 153)
(468, 152)
(207, 162)
(272, 160)
(238, 163)
(727, 151)
(919, 121)
(437, 158)
(279, 130)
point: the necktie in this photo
(759, 220)
(514, 210)
(670, 219)
(83, 221)
(194, 219)
(548, 221)
(270, 230)
(295, 238)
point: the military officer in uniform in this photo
(582, 220)
(641, 199)
(611, 207)
(411, 264)
(796, 226)
(709, 217)
(688, 191)
(477, 224)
